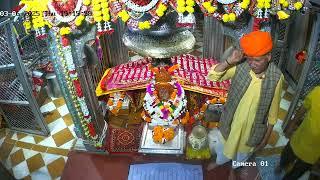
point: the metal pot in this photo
(198, 138)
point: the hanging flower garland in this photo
(115, 102)
(101, 16)
(34, 18)
(156, 13)
(232, 11)
(65, 54)
(182, 6)
(200, 114)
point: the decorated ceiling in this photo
(66, 16)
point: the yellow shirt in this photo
(244, 116)
(305, 142)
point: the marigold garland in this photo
(162, 134)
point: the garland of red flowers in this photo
(74, 88)
(63, 7)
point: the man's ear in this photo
(268, 56)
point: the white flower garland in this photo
(66, 19)
(138, 8)
(155, 112)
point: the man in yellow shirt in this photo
(303, 149)
(253, 99)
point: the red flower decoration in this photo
(301, 57)
(65, 41)
(17, 8)
(92, 131)
(78, 88)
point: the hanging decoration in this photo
(115, 102)
(101, 16)
(164, 104)
(200, 114)
(74, 87)
(75, 13)
(181, 7)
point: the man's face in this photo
(259, 64)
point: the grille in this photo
(10, 87)
(282, 31)
(29, 46)
(20, 116)
(5, 57)
(276, 55)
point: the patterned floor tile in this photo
(59, 102)
(29, 153)
(21, 170)
(288, 96)
(56, 167)
(35, 163)
(17, 157)
(24, 145)
(62, 137)
(284, 104)
(49, 158)
(48, 107)
(49, 142)
(5, 150)
(39, 148)
(27, 178)
(67, 145)
(41, 174)
(28, 139)
(68, 119)
(57, 126)
(38, 139)
(21, 135)
(52, 116)
(282, 114)
(63, 110)
(58, 151)
(282, 141)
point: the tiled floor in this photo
(35, 157)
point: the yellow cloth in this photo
(245, 114)
(305, 142)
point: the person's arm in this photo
(225, 69)
(295, 122)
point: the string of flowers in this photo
(36, 20)
(101, 16)
(183, 6)
(232, 11)
(115, 104)
(200, 114)
(123, 14)
(164, 112)
(73, 85)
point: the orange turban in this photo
(256, 43)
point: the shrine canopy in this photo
(69, 16)
(192, 74)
